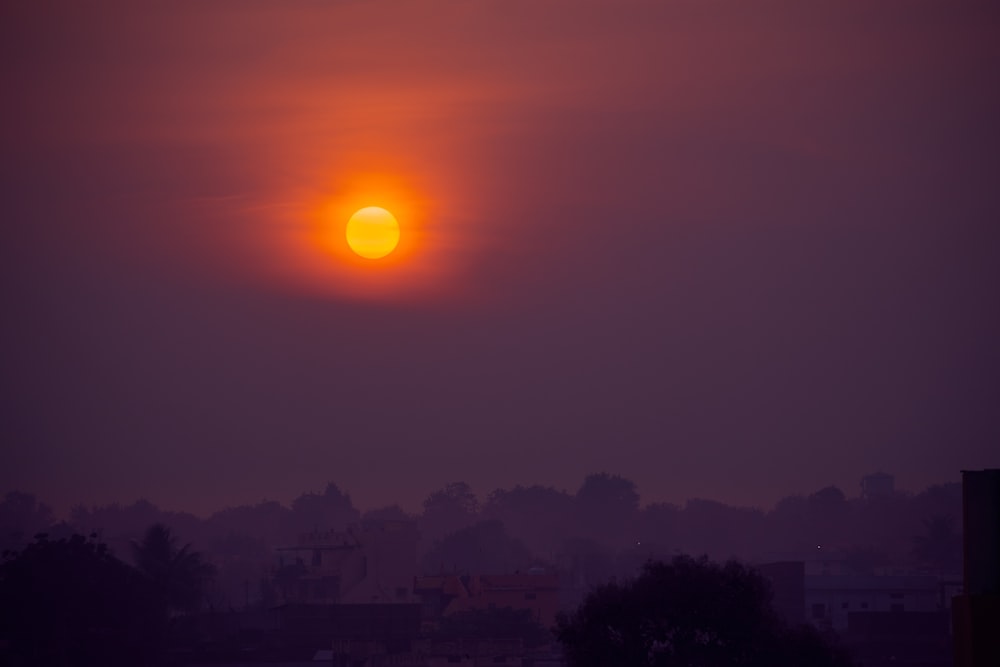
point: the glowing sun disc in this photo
(372, 232)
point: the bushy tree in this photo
(177, 575)
(447, 510)
(119, 526)
(611, 494)
(484, 548)
(688, 612)
(21, 516)
(386, 513)
(537, 515)
(331, 509)
(940, 547)
(71, 602)
(268, 520)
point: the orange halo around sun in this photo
(340, 244)
(372, 232)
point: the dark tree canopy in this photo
(176, 575)
(21, 515)
(71, 602)
(604, 488)
(483, 548)
(536, 514)
(447, 510)
(322, 511)
(689, 613)
(606, 505)
(940, 547)
(386, 513)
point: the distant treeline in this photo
(600, 531)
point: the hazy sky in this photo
(728, 250)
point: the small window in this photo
(529, 596)
(896, 607)
(818, 610)
(844, 605)
(864, 605)
(896, 596)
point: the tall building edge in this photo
(976, 612)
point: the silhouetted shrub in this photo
(689, 612)
(71, 602)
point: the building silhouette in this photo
(976, 613)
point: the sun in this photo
(372, 232)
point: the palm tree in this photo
(177, 576)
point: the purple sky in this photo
(724, 251)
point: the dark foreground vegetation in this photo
(70, 601)
(690, 612)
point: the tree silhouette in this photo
(177, 575)
(484, 548)
(688, 613)
(331, 509)
(71, 602)
(607, 507)
(21, 516)
(609, 491)
(940, 547)
(447, 510)
(537, 515)
(386, 513)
